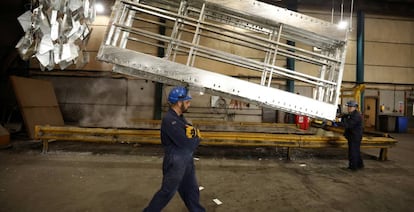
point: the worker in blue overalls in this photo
(352, 123)
(179, 139)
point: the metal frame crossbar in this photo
(243, 35)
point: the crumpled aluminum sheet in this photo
(53, 31)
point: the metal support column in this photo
(360, 53)
(159, 86)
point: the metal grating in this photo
(202, 40)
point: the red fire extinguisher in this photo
(302, 122)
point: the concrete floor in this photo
(98, 177)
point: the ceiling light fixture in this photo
(99, 8)
(342, 25)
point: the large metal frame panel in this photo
(197, 30)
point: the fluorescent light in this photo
(99, 8)
(342, 24)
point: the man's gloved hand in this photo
(192, 132)
(198, 133)
(344, 120)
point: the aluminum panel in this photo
(195, 30)
(141, 65)
(277, 15)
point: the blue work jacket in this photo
(353, 125)
(173, 135)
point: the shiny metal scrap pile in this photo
(56, 32)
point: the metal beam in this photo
(322, 139)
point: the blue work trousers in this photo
(178, 175)
(354, 153)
